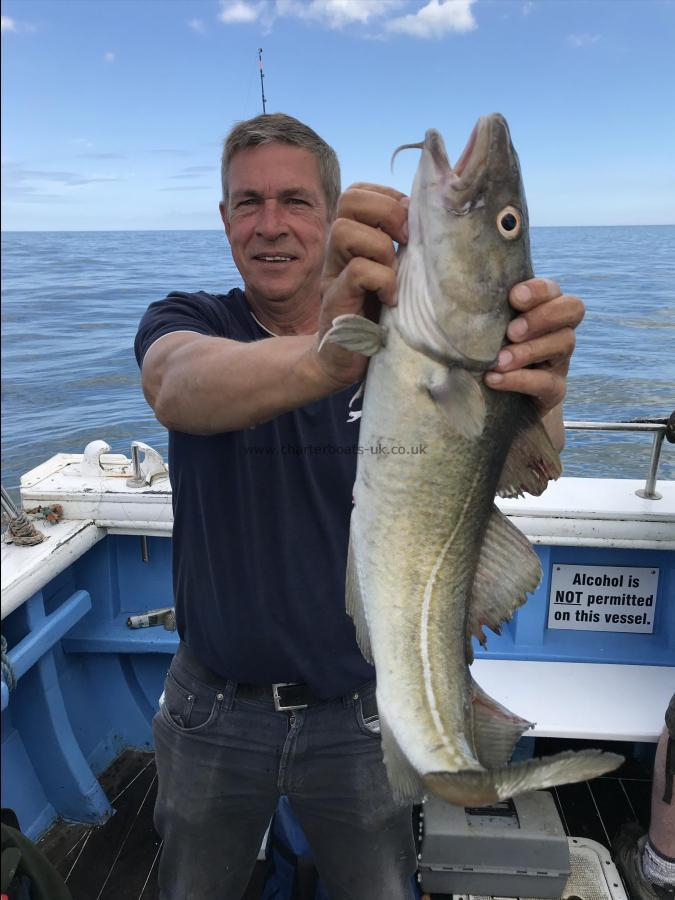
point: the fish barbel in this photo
(432, 560)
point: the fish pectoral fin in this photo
(482, 788)
(405, 780)
(460, 395)
(354, 602)
(355, 333)
(532, 460)
(508, 569)
(496, 730)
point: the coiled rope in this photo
(8, 675)
(21, 529)
(23, 532)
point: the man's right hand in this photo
(360, 268)
(208, 385)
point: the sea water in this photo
(71, 302)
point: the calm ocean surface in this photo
(71, 302)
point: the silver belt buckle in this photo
(277, 699)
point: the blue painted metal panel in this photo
(143, 585)
(114, 636)
(46, 630)
(21, 788)
(108, 711)
(527, 635)
(42, 718)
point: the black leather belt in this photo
(286, 696)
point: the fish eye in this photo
(509, 223)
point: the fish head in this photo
(468, 225)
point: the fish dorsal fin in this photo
(414, 312)
(496, 730)
(532, 460)
(460, 395)
(354, 601)
(507, 570)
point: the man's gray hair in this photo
(278, 127)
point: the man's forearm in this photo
(211, 385)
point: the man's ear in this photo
(222, 206)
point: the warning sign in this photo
(603, 598)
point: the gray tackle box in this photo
(516, 848)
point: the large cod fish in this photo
(432, 560)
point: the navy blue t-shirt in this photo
(261, 524)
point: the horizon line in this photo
(221, 230)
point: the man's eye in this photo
(250, 201)
(297, 201)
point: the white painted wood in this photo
(596, 498)
(581, 700)
(595, 512)
(26, 570)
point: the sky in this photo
(114, 111)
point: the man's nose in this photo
(271, 222)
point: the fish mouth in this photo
(490, 136)
(463, 183)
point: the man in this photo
(262, 439)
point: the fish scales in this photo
(431, 559)
(435, 507)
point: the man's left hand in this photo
(542, 341)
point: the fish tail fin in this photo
(480, 788)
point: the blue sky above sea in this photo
(113, 113)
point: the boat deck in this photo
(118, 861)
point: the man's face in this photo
(276, 221)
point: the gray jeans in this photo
(223, 762)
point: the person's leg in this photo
(337, 785)
(658, 856)
(217, 763)
(662, 823)
(647, 861)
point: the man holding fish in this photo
(269, 693)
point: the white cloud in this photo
(583, 40)
(109, 56)
(527, 7)
(197, 25)
(436, 19)
(338, 13)
(238, 12)
(22, 183)
(8, 24)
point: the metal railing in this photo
(661, 428)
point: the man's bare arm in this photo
(207, 385)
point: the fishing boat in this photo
(88, 633)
